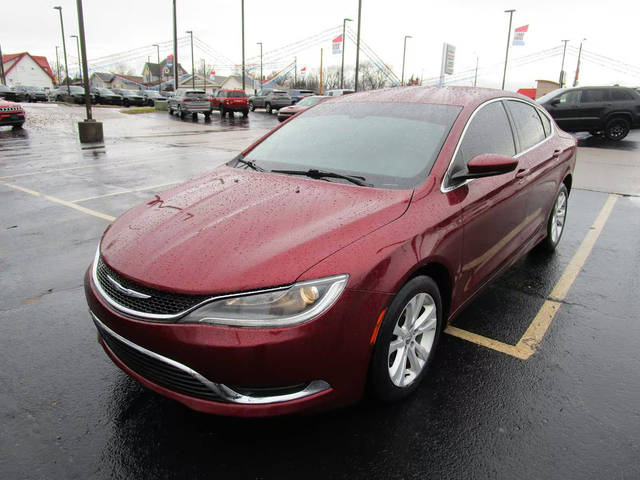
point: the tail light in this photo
(185, 99)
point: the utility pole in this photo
(79, 59)
(64, 50)
(57, 67)
(89, 130)
(404, 53)
(564, 52)
(158, 51)
(295, 71)
(320, 92)
(358, 44)
(506, 57)
(344, 42)
(176, 70)
(260, 43)
(243, 73)
(193, 68)
(475, 76)
(2, 67)
(575, 80)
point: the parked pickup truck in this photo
(189, 101)
(270, 100)
(230, 101)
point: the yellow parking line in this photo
(79, 167)
(530, 341)
(123, 192)
(59, 201)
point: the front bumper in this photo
(282, 116)
(327, 357)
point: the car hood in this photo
(235, 230)
(294, 108)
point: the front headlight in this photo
(280, 307)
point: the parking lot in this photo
(538, 378)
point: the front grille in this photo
(160, 302)
(155, 370)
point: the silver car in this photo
(270, 100)
(186, 100)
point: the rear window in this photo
(279, 94)
(391, 145)
(593, 95)
(236, 94)
(620, 94)
(528, 124)
(194, 93)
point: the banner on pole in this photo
(303, 71)
(518, 36)
(449, 58)
(337, 45)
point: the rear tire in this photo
(252, 107)
(194, 116)
(406, 341)
(18, 126)
(181, 114)
(207, 117)
(557, 220)
(617, 128)
(245, 113)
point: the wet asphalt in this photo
(571, 411)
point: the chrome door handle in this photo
(556, 153)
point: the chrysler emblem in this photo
(126, 291)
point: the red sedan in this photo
(329, 255)
(11, 114)
(304, 104)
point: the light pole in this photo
(57, 67)
(89, 130)
(358, 44)
(242, 14)
(564, 52)
(193, 69)
(260, 43)
(344, 42)
(79, 59)
(157, 50)
(575, 80)
(506, 57)
(176, 71)
(2, 80)
(475, 76)
(404, 54)
(64, 50)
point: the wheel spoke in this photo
(426, 321)
(422, 352)
(400, 332)
(415, 363)
(399, 367)
(395, 345)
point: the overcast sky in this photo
(474, 27)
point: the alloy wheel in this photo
(558, 216)
(412, 339)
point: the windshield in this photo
(309, 101)
(152, 93)
(550, 95)
(236, 94)
(76, 89)
(279, 94)
(105, 91)
(391, 145)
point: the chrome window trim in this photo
(445, 188)
(226, 394)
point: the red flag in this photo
(338, 38)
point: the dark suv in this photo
(611, 111)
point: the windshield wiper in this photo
(249, 163)
(319, 174)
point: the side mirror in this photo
(555, 102)
(487, 165)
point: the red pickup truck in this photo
(230, 101)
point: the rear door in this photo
(492, 207)
(593, 104)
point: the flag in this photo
(518, 36)
(337, 45)
(303, 71)
(212, 74)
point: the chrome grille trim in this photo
(204, 388)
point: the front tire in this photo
(268, 108)
(556, 221)
(252, 107)
(407, 340)
(617, 128)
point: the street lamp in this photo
(564, 52)
(404, 53)
(506, 57)
(158, 50)
(475, 76)
(242, 15)
(79, 59)
(358, 45)
(64, 49)
(260, 43)
(176, 70)
(57, 67)
(575, 80)
(344, 28)
(193, 70)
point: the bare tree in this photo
(123, 69)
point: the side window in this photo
(569, 98)
(618, 94)
(591, 95)
(488, 132)
(528, 124)
(546, 123)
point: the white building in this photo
(25, 69)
